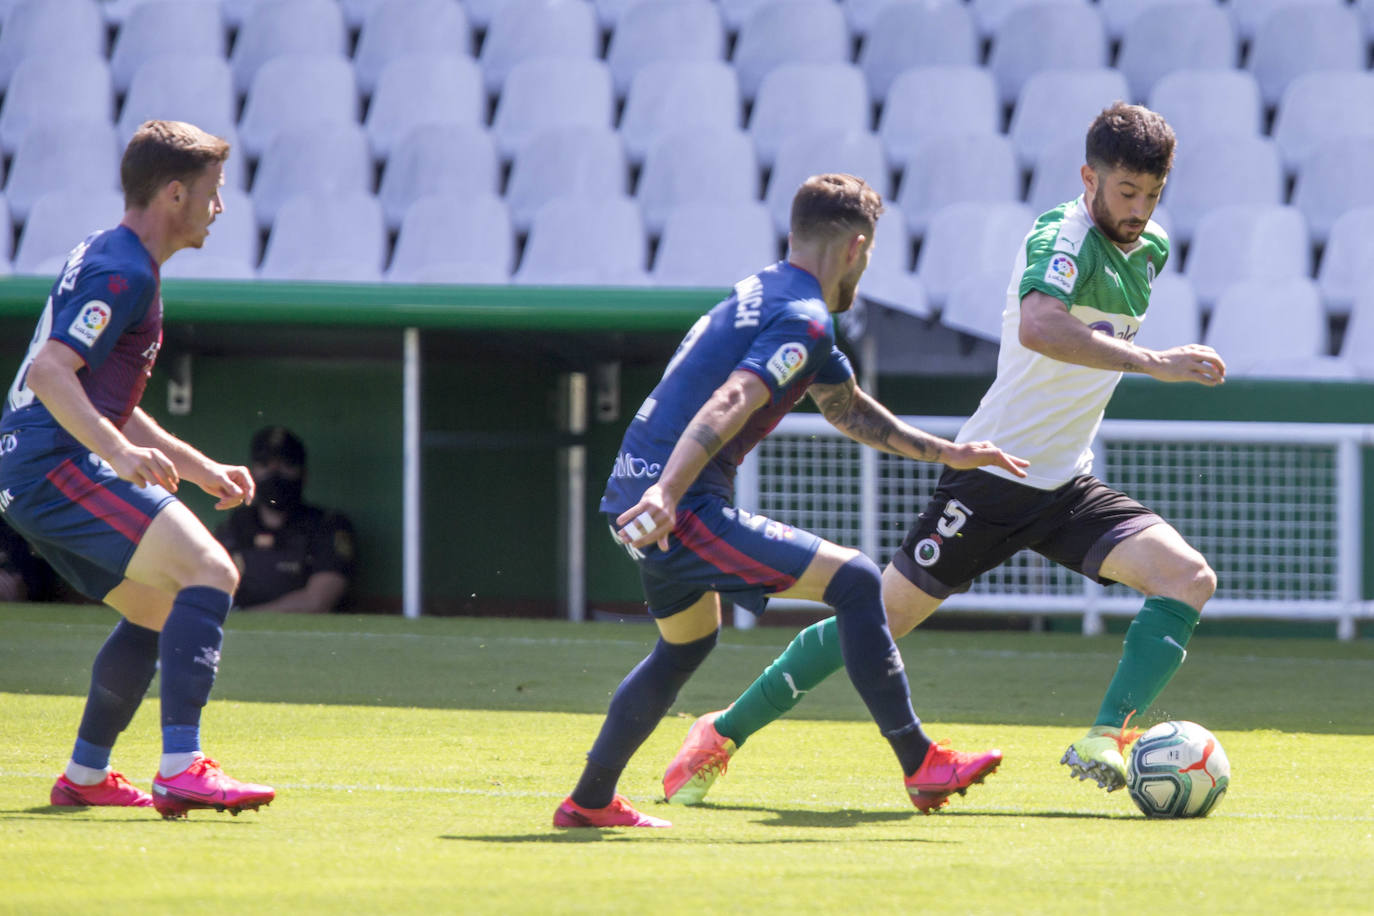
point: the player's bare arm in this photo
(718, 421)
(1049, 329)
(52, 377)
(862, 418)
(232, 485)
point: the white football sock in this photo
(85, 776)
(172, 764)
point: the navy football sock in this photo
(190, 645)
(639, 703)
(872, 659)
(120, 676)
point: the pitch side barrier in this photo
(1277, 509)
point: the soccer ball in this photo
(1177, 769)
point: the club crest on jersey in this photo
(787, 362)
(1062, 272)
(90, 322)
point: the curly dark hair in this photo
(1131, 137)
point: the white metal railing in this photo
(1276, 508)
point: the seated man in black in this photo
(293, 557)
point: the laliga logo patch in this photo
(1062, 272)
(787, 362)
(88, 324)
(927, 552)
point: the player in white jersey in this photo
(1077, 295)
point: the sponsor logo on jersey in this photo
(1062, 272)
(777, 531)
(749, 293)
(117, 285)
(627, 465)
(90, 322)
(1106, 327)
(927, 552)
(787, 362)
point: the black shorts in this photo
(976, 521)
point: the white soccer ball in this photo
(1177, 769)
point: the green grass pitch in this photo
(418, 764)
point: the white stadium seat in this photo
(989, 15)
(1294, 40)
(293, 91)
(814, 152)
(976, 303)
(80, 155)
(524, 30)
(696, 165)
(714, 243)
(1118, 15)
(1216, 170)
(1057, 104)
(1357, 348)
(666, 96)
(1057, 176)
(581, 241)
(789, 32)
(44, 88)
(947, 170)
(330, 158)
(1348, 260)
(58, 221)
(889, 280)
(1273, 328)
(402, 29)
(1173, 318)
(1200, 102)
(1182, 34)
(198, 27)
(1334, 178)
(1247, 242)
(423, 89)
(1321, 106)
(49, 29)
(803, 98)
(654, 32)
(181, 87)
(908, 34)
(968, 238)
(551, 92)
(461, 237)
(928, 102)
(327, 237)
(286, 28)
(438, 159)
(561, 161)
(1019, 46)
(1249, 15)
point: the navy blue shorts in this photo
(716, 547)
(83, 520)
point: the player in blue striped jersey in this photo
(87, 477)
(739, 369)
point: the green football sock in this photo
(812, 657)
(1154, 648)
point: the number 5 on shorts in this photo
(953, 518)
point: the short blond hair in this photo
(835, 203)
(163, 151)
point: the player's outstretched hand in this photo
(649, 520)
(966, 455)
(1191, 363)
(143, 466)
(232, 484)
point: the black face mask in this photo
(281, 493)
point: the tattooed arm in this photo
(718, 421)
(859, 416)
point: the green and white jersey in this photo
(1042, 409)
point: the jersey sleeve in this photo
(103, 303)
(1052, 268)
(837, 369)
(793, 345)
(334, 548)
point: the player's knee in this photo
(856, 585)
(688, 656)
(218, 571)
(1204, 584)
(1191, 580)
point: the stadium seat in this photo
(403, 29)
(817, 151)
(44, 88)
(6, 238)
(58, 221)
(1173, 318)
(47, 29)
(1293, 40)
(1321, 106)
(976, 303)
(198, 27)
(968, 238)
(1273, 328)
(789, 32)
(438, 159)
(1347, 261)
(924, 103)
(181, 87)
(1249, 15)
(79, 154)
(1118, 14)
(801, 98)
(946, 170)
(665, 30)
(1200, 102)
(524, 30)
(356, 11)
(1182, 34)
(581, 241)
(455, 237)
(1246, 242)
(560, 161)
(230, 252)
(1216, 170)
(329, 158)
(551, 92)
(714, 243)
(737, 12)
(610, 12)
(288, 28)
(1059, 104)
(1057, 175)
(1335, 177)
(423, 89)
(234, 11)
(1020, 43)
(327, 237)
(889, 280)
(989, 15)
(696, 164)
(1357, 348)
(295, 90)
(668, 95)
(117, 12)
(907, 35)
